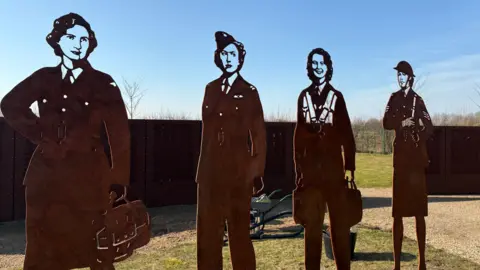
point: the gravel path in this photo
(453, 223)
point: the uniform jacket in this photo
(233, 132)
(318, 158)
(81, 111)
(405, 151)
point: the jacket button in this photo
(63, 110)
(64, 96)
(86, 103)
(44, 101)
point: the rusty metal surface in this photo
(233, 153)
(6, 172)
(81, 151)
(323, 129)
(407, 114)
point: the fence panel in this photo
(436, 175)
(463, 160)
(171, 162)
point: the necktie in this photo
(226, 85)
(68, 76)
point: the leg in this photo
(210, 228)
(314, 204)
(339, 230)
(397, 240)
(421, 235)
(238, 225)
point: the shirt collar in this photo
(231, 79)
(76, 72)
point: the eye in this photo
(234, 54)
(321, 63)
(315, 62)
(84, 39)
(70, 37)
(223, 53)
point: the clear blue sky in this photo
(168, 47)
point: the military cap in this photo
(223, 40)
(404, 66)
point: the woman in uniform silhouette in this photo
(69, 176)
(407, 114)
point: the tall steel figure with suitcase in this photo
(323, 128)
(407, 114)
(233, 153)
(71, 221)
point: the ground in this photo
(453, 234)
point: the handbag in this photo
(126, 228)
(354, 203)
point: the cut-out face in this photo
(75, 42)
(402, 79)
(319, 67)
(230, 58)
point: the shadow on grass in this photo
(381, 256)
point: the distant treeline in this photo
(372, 138)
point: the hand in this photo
(408, 122)
(352, 175)
(255, 190)
(117, 192)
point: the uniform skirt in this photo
(410, 198)
(63, 197)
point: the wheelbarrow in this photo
(260, 207)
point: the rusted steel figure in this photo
(69, 175)
(323, 127)
(407, 114)
(233, 154)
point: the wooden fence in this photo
(454, 168)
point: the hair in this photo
(241, 55)
(60, 27)
(328, 63)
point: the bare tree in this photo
(133, 95)
(477, 90)
(419, 83)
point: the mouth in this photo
(76, 52)
(228, 66)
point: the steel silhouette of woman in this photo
(232, 116)
(407, 114)
(70, 175)
(323, 129)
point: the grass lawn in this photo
(373, 170)
(373, 251)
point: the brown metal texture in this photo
(69, 177)
(232, 155)
(407, 114)
(323, 129)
